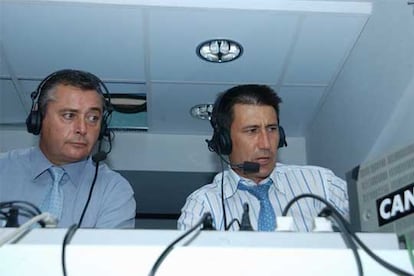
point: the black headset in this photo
(220, 142)
(34, 119)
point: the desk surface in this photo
(133, 252)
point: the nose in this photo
(264, 139)
(81, 126)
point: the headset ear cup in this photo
(224, 141)
(220, 142)
(282, 138)
(212, 143)
(34, 122)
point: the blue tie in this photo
(267, 217)
(53, 202)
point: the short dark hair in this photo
(79, 79)
(255, 94)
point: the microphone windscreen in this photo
(208, 222)
(99, 156)
(245, 224)
(251, 167)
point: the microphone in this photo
(245, 224)
(208, 222)
(99, 156)
(13, 218)
(247, 167)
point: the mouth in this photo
(263, 160)
(78, 144)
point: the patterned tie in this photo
(53, 202)
(267, 217)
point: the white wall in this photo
(157, 152)
(399, 130)
(377, 74)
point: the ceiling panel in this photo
(298, 107)
(171, 104)
(175, 34)
(324, 41)
(106, 40)
(11, 108)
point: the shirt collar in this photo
(75, 170)
(41, 164)
(232, 179)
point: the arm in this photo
(338, 194)
(191, 213)
(118, 207)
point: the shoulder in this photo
(115, 190)
(283, 168)
(109, 181)
(10, 158)
(208, 190)
(309, 172)
(15, 154)
(113, 176)
(106, 171)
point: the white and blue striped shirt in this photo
(289, 181)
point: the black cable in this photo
(25, 208)
(111, 137)
(378, 259)
(347, 226)
(100, 158)
(13, 219)
(3, 214)
(232, 222)
(346, 237)
(171, 246)
(222, 195)
(8, 204)
(223, 207)
(90, 194)
(374, 256)
(66, 240)
(25, 214)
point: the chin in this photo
(77, 156)
(266, 171)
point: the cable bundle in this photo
(349, 236)
(10, 211)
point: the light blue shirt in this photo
(24, 176)
(289, 181)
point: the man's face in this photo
(255, 137)
(71, 124)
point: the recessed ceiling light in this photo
(128, 103)
(219, 50)
(202, 111)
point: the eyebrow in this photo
(258, 126)
(77, 110)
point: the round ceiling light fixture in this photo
(219, 50)
(202, 111)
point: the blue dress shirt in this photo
(24, 176)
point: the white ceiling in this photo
(297, 47)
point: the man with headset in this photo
(59, 175)
(255, 189)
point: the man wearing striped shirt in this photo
(246, 127)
